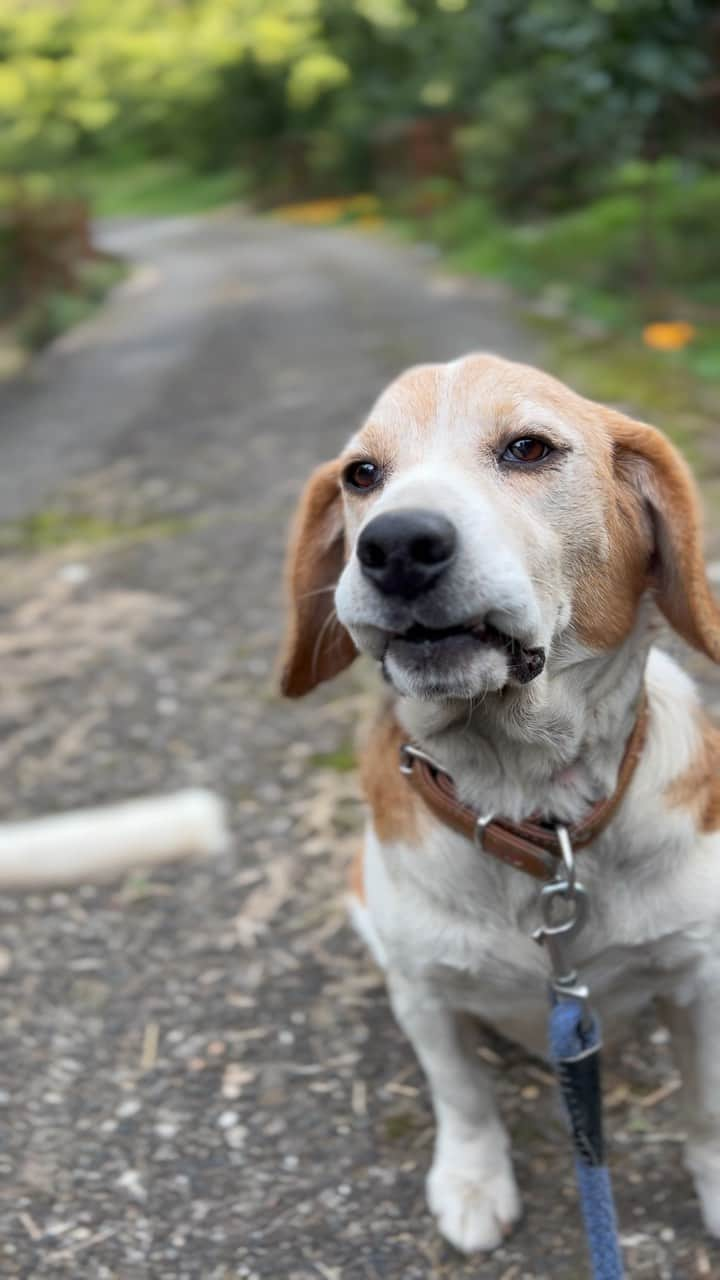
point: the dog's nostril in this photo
(431, 550)
(372, 554)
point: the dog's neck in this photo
(552, 748)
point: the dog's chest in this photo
(508, 984)
(477, 952)
(504, 979)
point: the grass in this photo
(400, 1126)
(53, 528)
(343, 760)
(645, 250)
(155, 188)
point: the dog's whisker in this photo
(330, 621)
(319, 591)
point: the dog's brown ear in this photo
(655, 469)
(317, 647)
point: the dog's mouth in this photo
(421, 644)
(483, 633)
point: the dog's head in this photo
(484, 517)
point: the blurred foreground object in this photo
(93, 845)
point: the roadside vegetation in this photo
(570, 148)
(624, 289)
(127, 186)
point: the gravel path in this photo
(200, 1075)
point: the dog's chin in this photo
(453, 668)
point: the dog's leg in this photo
(695, 1030)
(471, 1187)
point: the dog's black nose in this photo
(403, 553)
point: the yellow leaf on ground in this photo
(670, 335)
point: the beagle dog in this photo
(504, 550)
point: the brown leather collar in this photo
(529, 846)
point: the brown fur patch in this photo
(607, 593)
(661, 477)
(316, 646)
(395, 807)
(654, 525)
(698, 789)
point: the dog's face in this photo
(484, 517)
(474, 504)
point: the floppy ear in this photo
(317, 647)
(677, 569)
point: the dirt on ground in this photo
(201, 1078)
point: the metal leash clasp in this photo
(564, 909)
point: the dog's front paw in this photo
(475, 1203)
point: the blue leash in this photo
(575, 1050)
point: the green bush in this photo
(651, 240)
(560, 107)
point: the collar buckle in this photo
(482, 822)
(409, 754)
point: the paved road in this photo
(200, 1076)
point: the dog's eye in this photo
(362, 475)
(528, 449)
